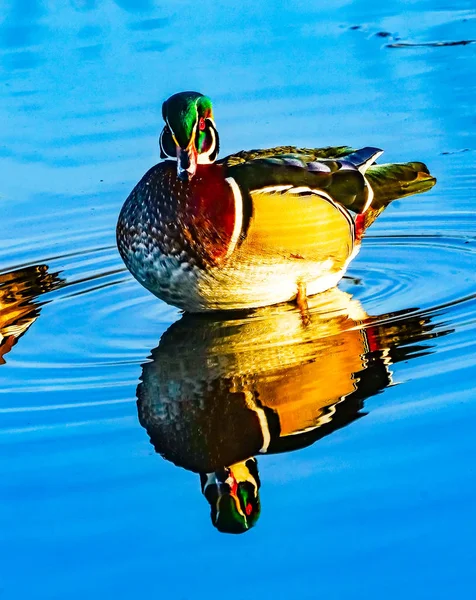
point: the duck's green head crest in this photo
(189, 134)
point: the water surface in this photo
(369, 497)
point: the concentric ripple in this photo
(408, 271)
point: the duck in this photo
(256, 228)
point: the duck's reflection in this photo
(220, 391)
(19, 307)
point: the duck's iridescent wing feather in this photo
(337, 170)
(312, 153)
(300, 207)
(340, 178)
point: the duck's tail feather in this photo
(392, 181)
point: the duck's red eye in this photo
(201, 124)
(248, 509)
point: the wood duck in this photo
(256, 228)
(220, 391)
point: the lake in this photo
(115, 407)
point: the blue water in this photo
(382, 507)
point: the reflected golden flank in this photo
(218, 392)
(19, 309)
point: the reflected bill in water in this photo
(220, 391)
(19, 305)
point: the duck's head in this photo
(189, 134)
(233, 495)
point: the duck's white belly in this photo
(252, 286)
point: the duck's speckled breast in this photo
(170, 231)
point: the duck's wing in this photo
(349, 176)
(311, 153)
(300, 210)
(290, 170)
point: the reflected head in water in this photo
(19, 308)
(233, 495)
(221, 390)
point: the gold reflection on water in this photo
(19, 309)
(221, 390)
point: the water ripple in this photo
(425, 276)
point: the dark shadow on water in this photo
(93, 52)
(20, 36)
(20, 29)
(431, 44)
(23, 60)
(221, 390)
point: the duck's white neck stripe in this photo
(370, 196)
(251, 404)
(272, 188)
(238, 201)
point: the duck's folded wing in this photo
(300, 209)
(312, 153)
(341, 179)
